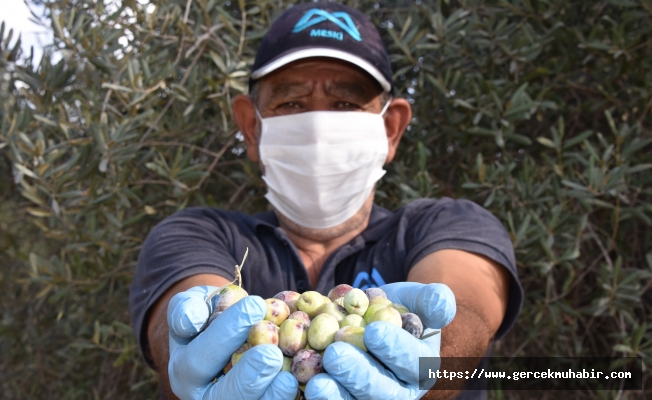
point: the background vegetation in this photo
(537, 109)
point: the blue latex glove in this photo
(353, 373)
(197, 358)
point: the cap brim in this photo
(322, 52)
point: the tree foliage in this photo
(537, 109)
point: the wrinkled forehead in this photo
(334, 77)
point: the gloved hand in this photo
(196, 359)
(353, 373)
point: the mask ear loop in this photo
(258, 114)
(260, 160)
(382, 113)
(260, 118)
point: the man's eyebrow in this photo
(289, 89)
(348, 89)
(341, 89)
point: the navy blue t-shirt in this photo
(208, 240)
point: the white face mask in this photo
(321, 166)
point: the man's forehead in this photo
(302, 75)
(332, 87)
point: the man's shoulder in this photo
(447, 219)
(212, 215)
(421, 217)
(449, 206)
(202, 212)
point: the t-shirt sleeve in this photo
(464, 225)
(190, 242)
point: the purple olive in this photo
(374, 291)
(305, 365)
(412, 324)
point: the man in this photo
(321, 122)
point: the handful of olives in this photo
(304, 325)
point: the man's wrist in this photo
(464, 341)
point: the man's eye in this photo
(290, 104)
(345, 105)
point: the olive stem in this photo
(430, 334)
(238, 277)
(238, 268)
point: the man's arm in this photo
(481, 289)
(157, 326)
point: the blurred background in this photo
(118, 114)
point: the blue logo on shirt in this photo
(339, 18)
(364, 281)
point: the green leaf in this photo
(623, 348)
(25, 171)
(520, 139)
(577, 139)
(119, 88)
(639, 168)
(463, 103)
(44, 120)
(422, 156)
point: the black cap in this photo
(324, 30)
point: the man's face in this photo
(318, 84)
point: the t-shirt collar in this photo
(268, 218)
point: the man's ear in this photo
(245, 116)
(397, 118)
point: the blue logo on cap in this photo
(340, 18)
